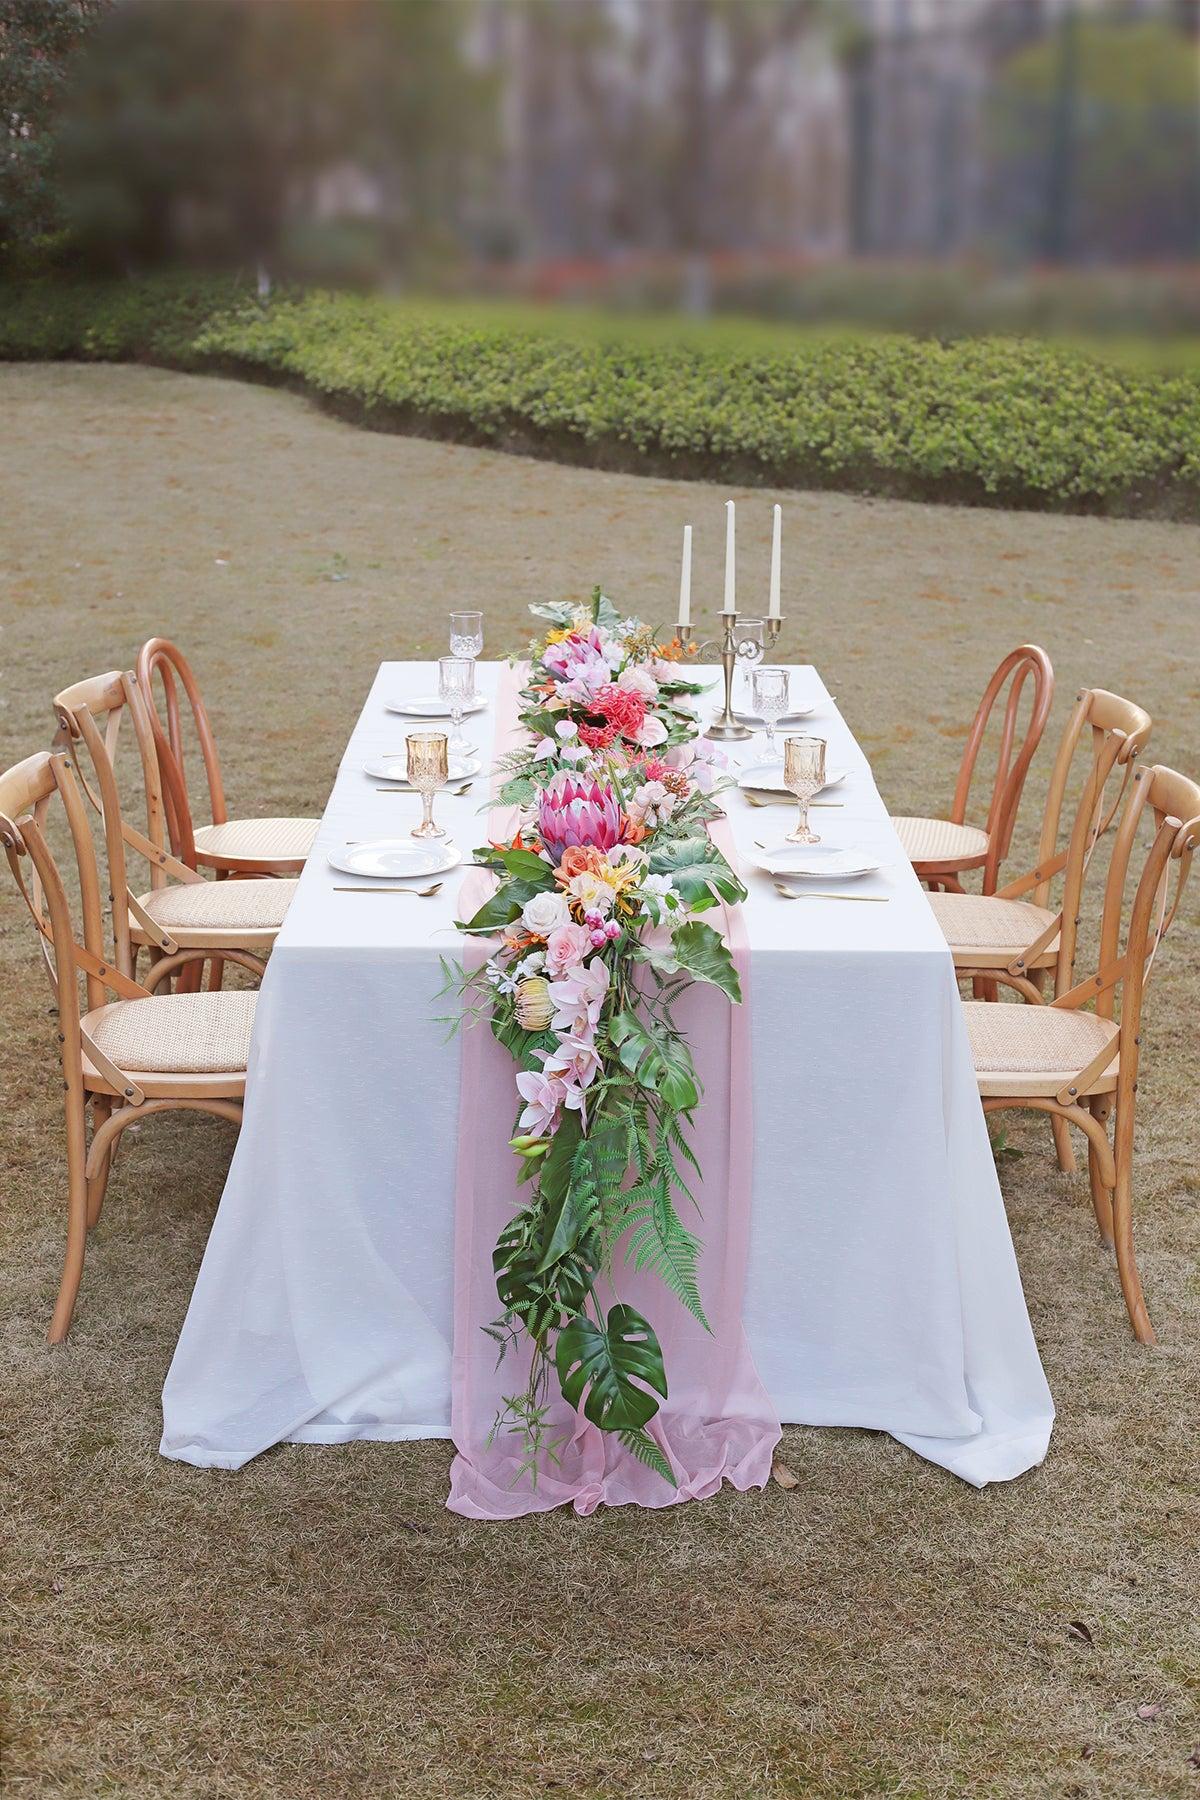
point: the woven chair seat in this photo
(183, 1034)
(941, 841)
(203, 910)
(256, 840)
(987, 932)
(1024, 1050)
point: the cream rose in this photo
(545, 913)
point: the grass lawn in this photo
(318, 1623)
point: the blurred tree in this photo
(1102, 118)
(245, 131)
(37, 41)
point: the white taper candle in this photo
(685, 579)
(730, 605)
(776, 548)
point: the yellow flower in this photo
(535, 1009)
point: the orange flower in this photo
(578, 860)
(633, 832)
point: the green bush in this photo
(999, 420)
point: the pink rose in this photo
(566, 946)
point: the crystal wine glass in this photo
(428, 767)
(769, 694)
(751, 644)
(804, 776)
(466, 633)
(456, 686)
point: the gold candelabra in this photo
(726, 650)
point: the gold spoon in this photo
(408, 893)
(788, 893)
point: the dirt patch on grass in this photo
(318, 1623)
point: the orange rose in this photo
(579, 859)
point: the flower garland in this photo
(597, 904)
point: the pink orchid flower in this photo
(544, 1095)
(579, 999)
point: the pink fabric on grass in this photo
(717, 1423)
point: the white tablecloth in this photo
(882, 1289)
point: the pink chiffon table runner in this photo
(717, 1423)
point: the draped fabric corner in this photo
(717, 1423)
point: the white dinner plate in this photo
(432, 706)
(769, 777)
(395, 768)
(395, 858)
(794, 716)
(825, 862)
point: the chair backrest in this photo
(1115, 731)
(1027, 663)
(91, 712)
(1127, 948)
(27, 793)
(161, 662)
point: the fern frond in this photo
(662, 1243)
(643, 1446)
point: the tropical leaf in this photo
(503, 907)
(559, 612)
(704, 954)
(659, 1062)
(661, 1242)
(698, 871)
(577, 1215)
(608, 1364)
(528, 867)
(643, 1446)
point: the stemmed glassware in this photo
(769, 694)
(466, 633)
(456, 686)
(751, 644)
(428, 767)
(804, 776)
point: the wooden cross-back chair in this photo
(276, 846)
(183, 919)
(942, 850)
(1078, 1064)
(1014, 938)
(125, 1057)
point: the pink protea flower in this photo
(575, 811)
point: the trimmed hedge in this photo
(994, 420)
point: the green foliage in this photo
(1002, 420)
(701, 953)
(661, 1063)
(38, 41)
(698, 871)
(618, 1364)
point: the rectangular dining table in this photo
(882, 1289)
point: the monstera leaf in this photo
(609, 1363)
(699, 873)
(704, 954)
(662, 1064)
